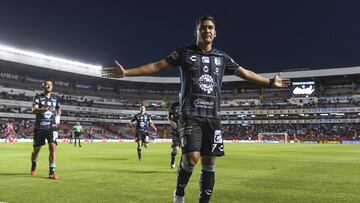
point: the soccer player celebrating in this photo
(202, 69)
(142, 121)
(47, 110)
(173, 118)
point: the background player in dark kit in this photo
(142, 121)
(173, 117)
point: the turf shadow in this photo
(14, 174)
(105, 158)
(142, 171)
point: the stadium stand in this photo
(330, 112)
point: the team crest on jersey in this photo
(37, 100)
(206, 83)
(218, 61)
(193, 58)
(205, 59)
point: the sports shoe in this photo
(53, 176)
(178, 199)
(172, 165)
(33, 173)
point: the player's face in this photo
(142, 109)
(205, 33)
(48, 86)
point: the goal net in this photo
(273, 137)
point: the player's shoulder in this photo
(218, 52)
(185, 48)
(39, 95)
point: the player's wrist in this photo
(271, 82)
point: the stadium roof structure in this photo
(58, 64)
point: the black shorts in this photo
(41, 134)
(175, 138)
(77, 135)
(142, 136)
(202, 135)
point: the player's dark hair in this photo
(203, 18)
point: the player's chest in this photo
(47, 102)
(142, 118)
(196, 64)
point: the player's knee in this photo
(187, 167)
(208, 168)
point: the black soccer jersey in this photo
(142, 122)
(201, 79)
(46, 120)
(174, 112)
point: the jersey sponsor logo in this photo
(218, 137)
(205, 59)
(48, 114)
(48, 103)
(42, 102)
(204, 104)
(206, 83)
(193, 58)
(45, 123)
(205, 69)
(218, 61)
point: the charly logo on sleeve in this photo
(174, 55)
(206, 83)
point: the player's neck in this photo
(204, 47)
(47, 94)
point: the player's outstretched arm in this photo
(118, 71)
(276, 81)
(153, 126)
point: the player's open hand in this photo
(278, 81)
(114, 72)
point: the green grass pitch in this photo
(110, 172)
